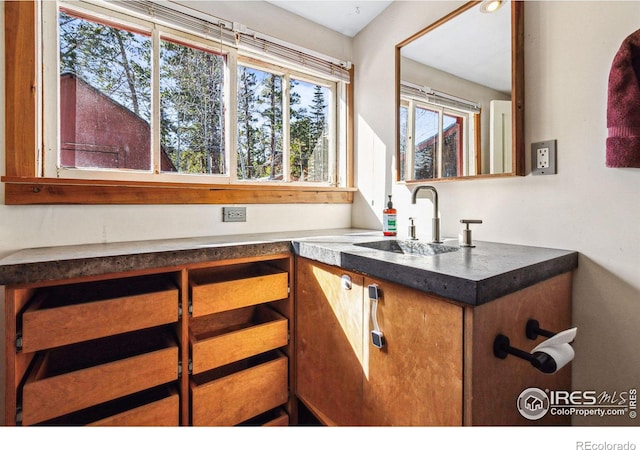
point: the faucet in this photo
(435, 221)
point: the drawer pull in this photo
(377, 337)
(18, 341)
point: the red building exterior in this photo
(98, 132)
(451, 153)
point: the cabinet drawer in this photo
(275, 418)
(220, 339)
(164, 412)
(79, 312)
(239, 391)
(281, 419)
(78, 376)
(157, 406)
(223, 288)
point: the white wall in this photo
(586, 207)
(35, 226)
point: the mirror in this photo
(460, 96)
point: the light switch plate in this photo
(543, 158)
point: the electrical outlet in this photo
(234, 214)
(543, 158)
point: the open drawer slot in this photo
(237, 392)
(275, 418)
(78, 376)
(157, 406)
(220, 339)
(221, 289)
(73, 313)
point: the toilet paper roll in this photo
(555, 353)
(555, 357)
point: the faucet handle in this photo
(466, 232)
(412, 229)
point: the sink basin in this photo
(409, 247)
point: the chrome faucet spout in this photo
(435, 229)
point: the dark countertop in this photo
(470, 275)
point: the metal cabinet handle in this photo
(377, 337)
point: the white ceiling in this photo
(478, 48)
(474, 46)
(346, 17)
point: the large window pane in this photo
(192, 110)
(259, 125)
(426, 143)
(309, 131)
(451, 145)
(105, 101)
(403, 123)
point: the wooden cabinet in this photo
(437, 365)
(239, 337)
(416, 377)
(329, 342)
(204, 344)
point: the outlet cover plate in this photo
(234, 214)
(543, 158)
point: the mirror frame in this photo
(517, 90)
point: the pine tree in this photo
(317, 134)
(247, 134)
(114, 61)
(193, 101)
(271, 98)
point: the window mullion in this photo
(410, 150)
(155, 100)
(286, 136)
(333, 140)
(231, 116)
(50, 104)
(438, 167)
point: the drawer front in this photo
(226, 295)
(217, 351)
(53, 327)
(281, 419)
(163, 413)
(55, 396)
(240, 396)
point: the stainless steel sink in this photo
(408, 247)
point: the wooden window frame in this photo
(25, 186)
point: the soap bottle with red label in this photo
(389, 224)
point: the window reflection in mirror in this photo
(438, 138)
(455, 115)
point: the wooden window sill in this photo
(53, 191)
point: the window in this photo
(284, 127)
(192, 132)
(105, 96)
(438, 136)
(130, 98)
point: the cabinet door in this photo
(416, 378)
(329, 364)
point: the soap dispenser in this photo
(389, 224)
